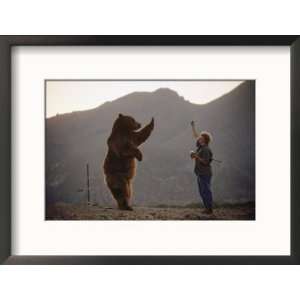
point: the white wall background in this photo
(149, 17)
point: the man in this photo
(203, 158)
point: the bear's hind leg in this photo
(122, 194)
(128, 194)
(115, 183)
(118, 194)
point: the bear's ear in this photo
(120, 115)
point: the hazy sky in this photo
(68, 96)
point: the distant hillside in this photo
(165, 176)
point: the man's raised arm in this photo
(195, 133)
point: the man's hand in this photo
(192, 123)
(193, 155)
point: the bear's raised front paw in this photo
(152, 123)
(139, 156)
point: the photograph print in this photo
(150, 150)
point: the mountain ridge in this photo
(142, 93)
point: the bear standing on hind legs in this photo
(119, 164)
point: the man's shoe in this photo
(208, 211)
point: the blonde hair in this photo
(207, 136)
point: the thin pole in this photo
(216, 160)
(88, 183)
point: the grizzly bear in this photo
(119, 164)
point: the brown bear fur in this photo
(119, 164)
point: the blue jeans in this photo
(204, 185)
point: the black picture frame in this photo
(6, 44)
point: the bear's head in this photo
(126, 123)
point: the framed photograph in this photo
(149, 149)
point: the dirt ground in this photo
(64, 211)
